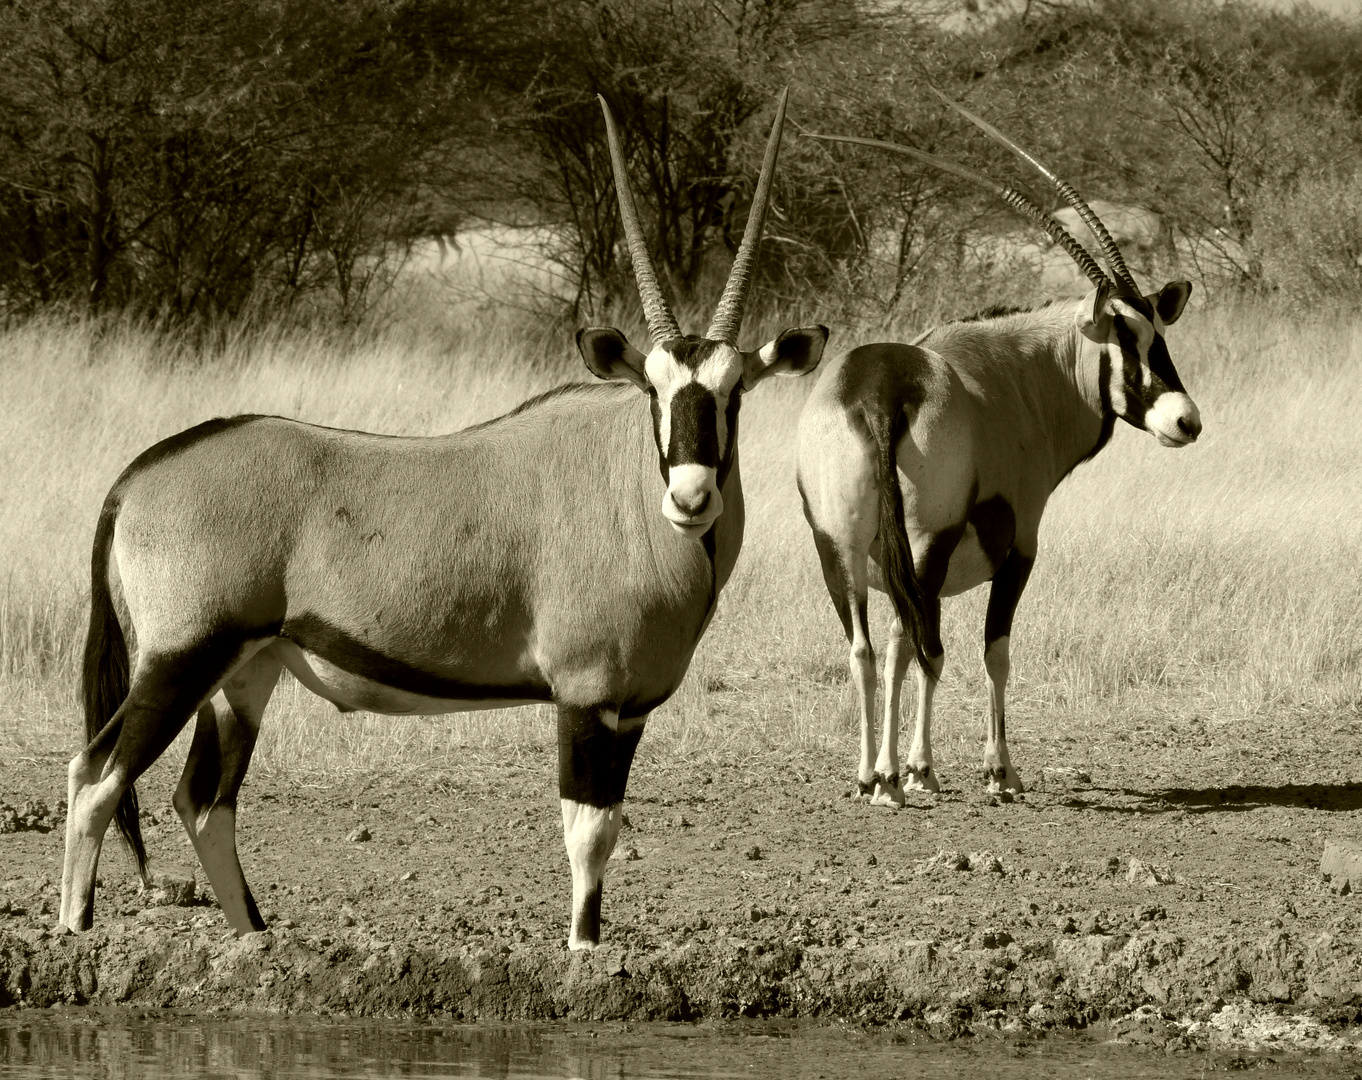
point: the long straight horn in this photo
(728, 315)
(1012, 197)
(661, 323)
(1066, 192)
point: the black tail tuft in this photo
(896, 555)
(105, 677)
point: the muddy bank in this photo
(1151, 987)
(1182, 916)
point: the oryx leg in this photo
(888, 788)
(595, 750)
(844, 572)
(920, 769)
(932, 575)
(205, 798)
(165, 690)
(1008, 584)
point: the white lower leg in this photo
(213, 834)
(91, 801)
(998, 771)
(922, 776)
(863, 674)
(589, 833)
(888, 788)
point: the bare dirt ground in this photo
(1160, 883)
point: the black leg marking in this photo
(160, 702)
(593, 759)
(1008, 584)
(590, 926)
(935, 565)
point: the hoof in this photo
(923, 779)
(581, 944)
(865, 789)
(888, 791)
(1009, 781)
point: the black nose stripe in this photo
(694, 437)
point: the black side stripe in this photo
(335, 646)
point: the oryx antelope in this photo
(523, 560)
(925, 468)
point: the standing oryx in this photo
(522, 560)
(936, 460)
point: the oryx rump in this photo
(522, 560)
(925, 468)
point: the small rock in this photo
(756, 914)
(625, 823)
(1093, 923)
(872, 861)
(172, 890)
(360, 836)
(1065, 924)
(1140, 873)
(410, 875)
(631, 854)
(753, 853)
(1341, 866)
(347, 920)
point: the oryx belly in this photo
(350, 690)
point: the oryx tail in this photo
(105, 678)
(896, 554)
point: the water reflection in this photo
(92, 1044)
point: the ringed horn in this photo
(1123, 283)
(1066, 192)
(728, 315)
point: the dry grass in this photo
(1219, 581)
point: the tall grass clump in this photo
(1218, 581)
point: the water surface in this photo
(94, 1044)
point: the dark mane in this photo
(997, 311)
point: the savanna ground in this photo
(1184, 708)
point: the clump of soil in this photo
(1187, 916)
(31, 817)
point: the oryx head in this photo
(1140, 384)
(695, 384)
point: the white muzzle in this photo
(693, 501)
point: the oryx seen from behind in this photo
(523, 560)
(925, 468)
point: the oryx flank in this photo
(523, 560)
(935, 460)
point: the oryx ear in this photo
(609, 356)
(1172, 298)
(1095, 323)
(795, 352)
